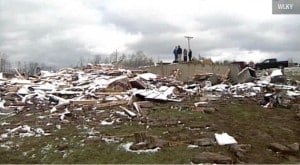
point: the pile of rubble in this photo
(100, 87)
(72, 95)
(103, 86)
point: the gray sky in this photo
(60, 32)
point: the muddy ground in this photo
(178, 125)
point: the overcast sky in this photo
(60, 32)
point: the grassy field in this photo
(246, 121)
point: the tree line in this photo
(133, 60)
(27, 67)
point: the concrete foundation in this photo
(186, 71)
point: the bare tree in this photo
(19, 66)
(113, 58)
(4, 63)
(25, 67)
(122, 58)
(32, 66)
(97, 59)
(81, 62)
(106, 60)
(137, 59)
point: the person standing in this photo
(179, 53)
(184, 55)
(190, 55)
(175, 54)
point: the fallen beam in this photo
(111, 104)
(84, 102)
(128, 112)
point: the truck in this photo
(271, 63)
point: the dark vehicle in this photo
(271, 63)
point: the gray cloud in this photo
(33, 31)
(150, 26)
(61, 32)
(278, 38)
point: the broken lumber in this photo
(128, 112)
(111, 104)
(83, 102)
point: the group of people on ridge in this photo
(178, 54)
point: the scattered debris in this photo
(224, 139)
(246, 75)
(284, 149)
(209, 157)
(240, 150)
(128, 112)
(204, 142)
(127, 147)
(106, 97)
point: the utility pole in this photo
(188, 38)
